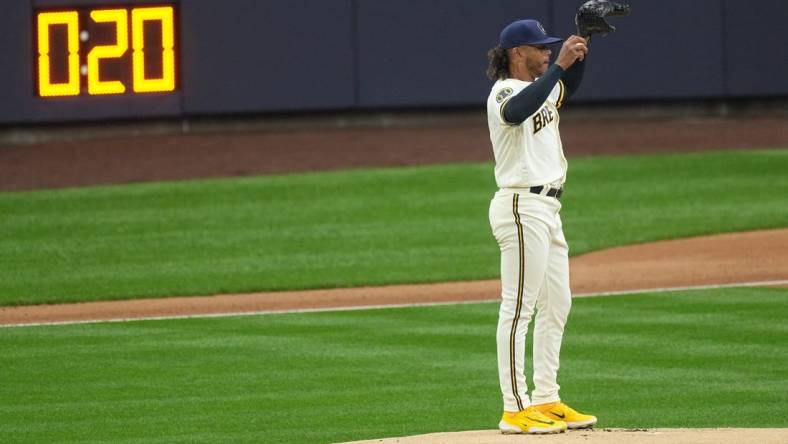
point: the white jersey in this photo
(528, 154)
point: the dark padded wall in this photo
(267, 55)
(249, 56)
(16, 84)
(69, 3)
(413, 52)
(756, 42)
(664, 49)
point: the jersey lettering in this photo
(542, 118)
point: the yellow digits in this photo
(141, 82)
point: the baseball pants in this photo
(534, 279)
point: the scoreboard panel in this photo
(105, 50)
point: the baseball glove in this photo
(590, 17)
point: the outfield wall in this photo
(273, 56)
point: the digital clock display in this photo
(93, 51)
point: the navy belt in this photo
(552, 192)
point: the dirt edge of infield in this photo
(601, 436)
(725, 259)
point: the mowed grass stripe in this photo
(352, 228)
(713, 358)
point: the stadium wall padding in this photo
(260, 56)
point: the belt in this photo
(551, 192)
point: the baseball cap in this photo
(525, 32)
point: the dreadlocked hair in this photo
(499, 63)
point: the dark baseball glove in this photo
(590, 17)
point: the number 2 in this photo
(120, 18)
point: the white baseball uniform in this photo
(534, 253)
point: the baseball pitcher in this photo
(530, 170)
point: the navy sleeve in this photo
(530, 99)
(572, 78)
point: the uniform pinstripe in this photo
(521, 248)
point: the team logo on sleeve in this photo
(502, 94)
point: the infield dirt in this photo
(601, 436)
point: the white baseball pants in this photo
(534, 276)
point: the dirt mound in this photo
(602, 436)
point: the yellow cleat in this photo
(558, 411)
(529, 420)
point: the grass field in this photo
(350, 228)
(712, 358)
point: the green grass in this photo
(362, 227)
(714, 358)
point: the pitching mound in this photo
(602, 436)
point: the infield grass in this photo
(713, 358)
(351, 228)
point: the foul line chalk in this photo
(382, 306)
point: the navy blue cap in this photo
(525, 32)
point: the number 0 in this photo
(45, 86)
(164, 15)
